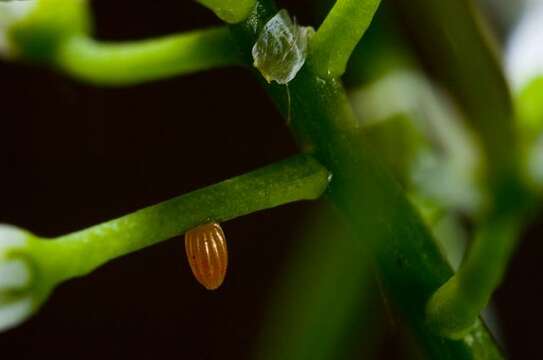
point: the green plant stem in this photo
(294, 179)
(323, 305)
(230, 11)
(409, 260)
(456, 305)
(338, 35)
(117, 64)
(454, 308)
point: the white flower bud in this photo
(16, 303)
(11, 12)
(524, 55)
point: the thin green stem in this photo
(298, 178)
(230, 11)
(333, 43)
(455, 307)
(117, 64)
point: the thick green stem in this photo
(231, 11)
(333, 43)
(298, 178)
(409, 260)
(117, 64)
(456, 305)
(322, 312)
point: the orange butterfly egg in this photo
(206, 251)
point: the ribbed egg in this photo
(207, 254)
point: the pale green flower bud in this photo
(16, 299)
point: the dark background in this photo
(72, 156)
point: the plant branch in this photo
(375, 206)
(333, 43)
(313, 307)
(298, 178)
(118, 64)
(455, 307)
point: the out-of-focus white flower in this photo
(444, 171)
(504, 12)
(16, 301)
(524, 54)
(11, 12)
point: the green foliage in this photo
(55, 260)
(369, 166)
(409, 259)
(330, 52)
(454, 308)
(479, 85)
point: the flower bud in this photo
(16, 299)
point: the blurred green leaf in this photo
(456, 47)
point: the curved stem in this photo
(298, 178)
(455, 307)
(335, 40)
(470, 69)
(118, 64)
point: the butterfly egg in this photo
(206, 251)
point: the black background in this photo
(72, 156)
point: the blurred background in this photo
(74, 155)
